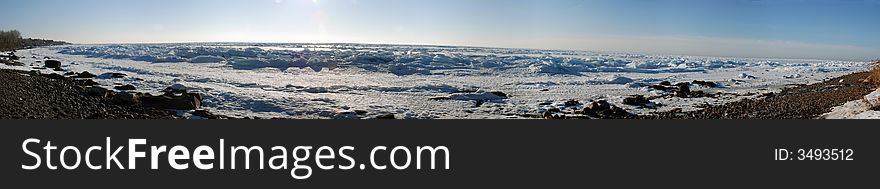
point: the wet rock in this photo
(50, 63)
(666, 83)
(125, 88)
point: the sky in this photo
(827, 29)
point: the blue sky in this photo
(837, 29)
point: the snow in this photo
(858, 109)
(286, 80)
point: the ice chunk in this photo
(207, 59)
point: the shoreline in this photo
(30, 95)
(803, 101)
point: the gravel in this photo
(801, 102)
(28, 95)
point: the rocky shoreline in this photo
(72, 95)
(799, 102)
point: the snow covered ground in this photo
(362, 81)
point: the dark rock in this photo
(52, 64)
(125, 98)
(186, 101)
(666, 83)
(604, 110)
(54, 76)
(113, 75)
(683, 91)
(69, 73)
(500, 94)
(572, 103)
(660, 87)
(57, 69)
(637, 100)
(205, 114)
(386, 116)
(86, 82)
(708, 84)
(544, 90)
(125, 88)
(96, 91)
(85, 74)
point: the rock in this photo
(485, 96)
(604, 110)
(57, 69)
(666, 83)
(86, 82)
(619, 80)
(96, 91)
(69, 73)
(637, 100)
(54, 76)
(51, 63)
(683, 91)
(660, 87)
(708, 84)
(85, 74)
(112, 75)
(185, 101)
(747, 76)
(386, 116)
(125, 98)
(205, 114)
(125, 88)
(599, 105)
(572, 103)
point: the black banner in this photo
(481, 153)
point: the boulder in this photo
(85, 74)
(125, 88)
(112, 75)
(638, 100)
(708, 84)
(185, 101)
(125, 98)
(96, 91)
(51, 63)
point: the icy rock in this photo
(619, 80)
(747, 76)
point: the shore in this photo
(29, 95)
(800, 102)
